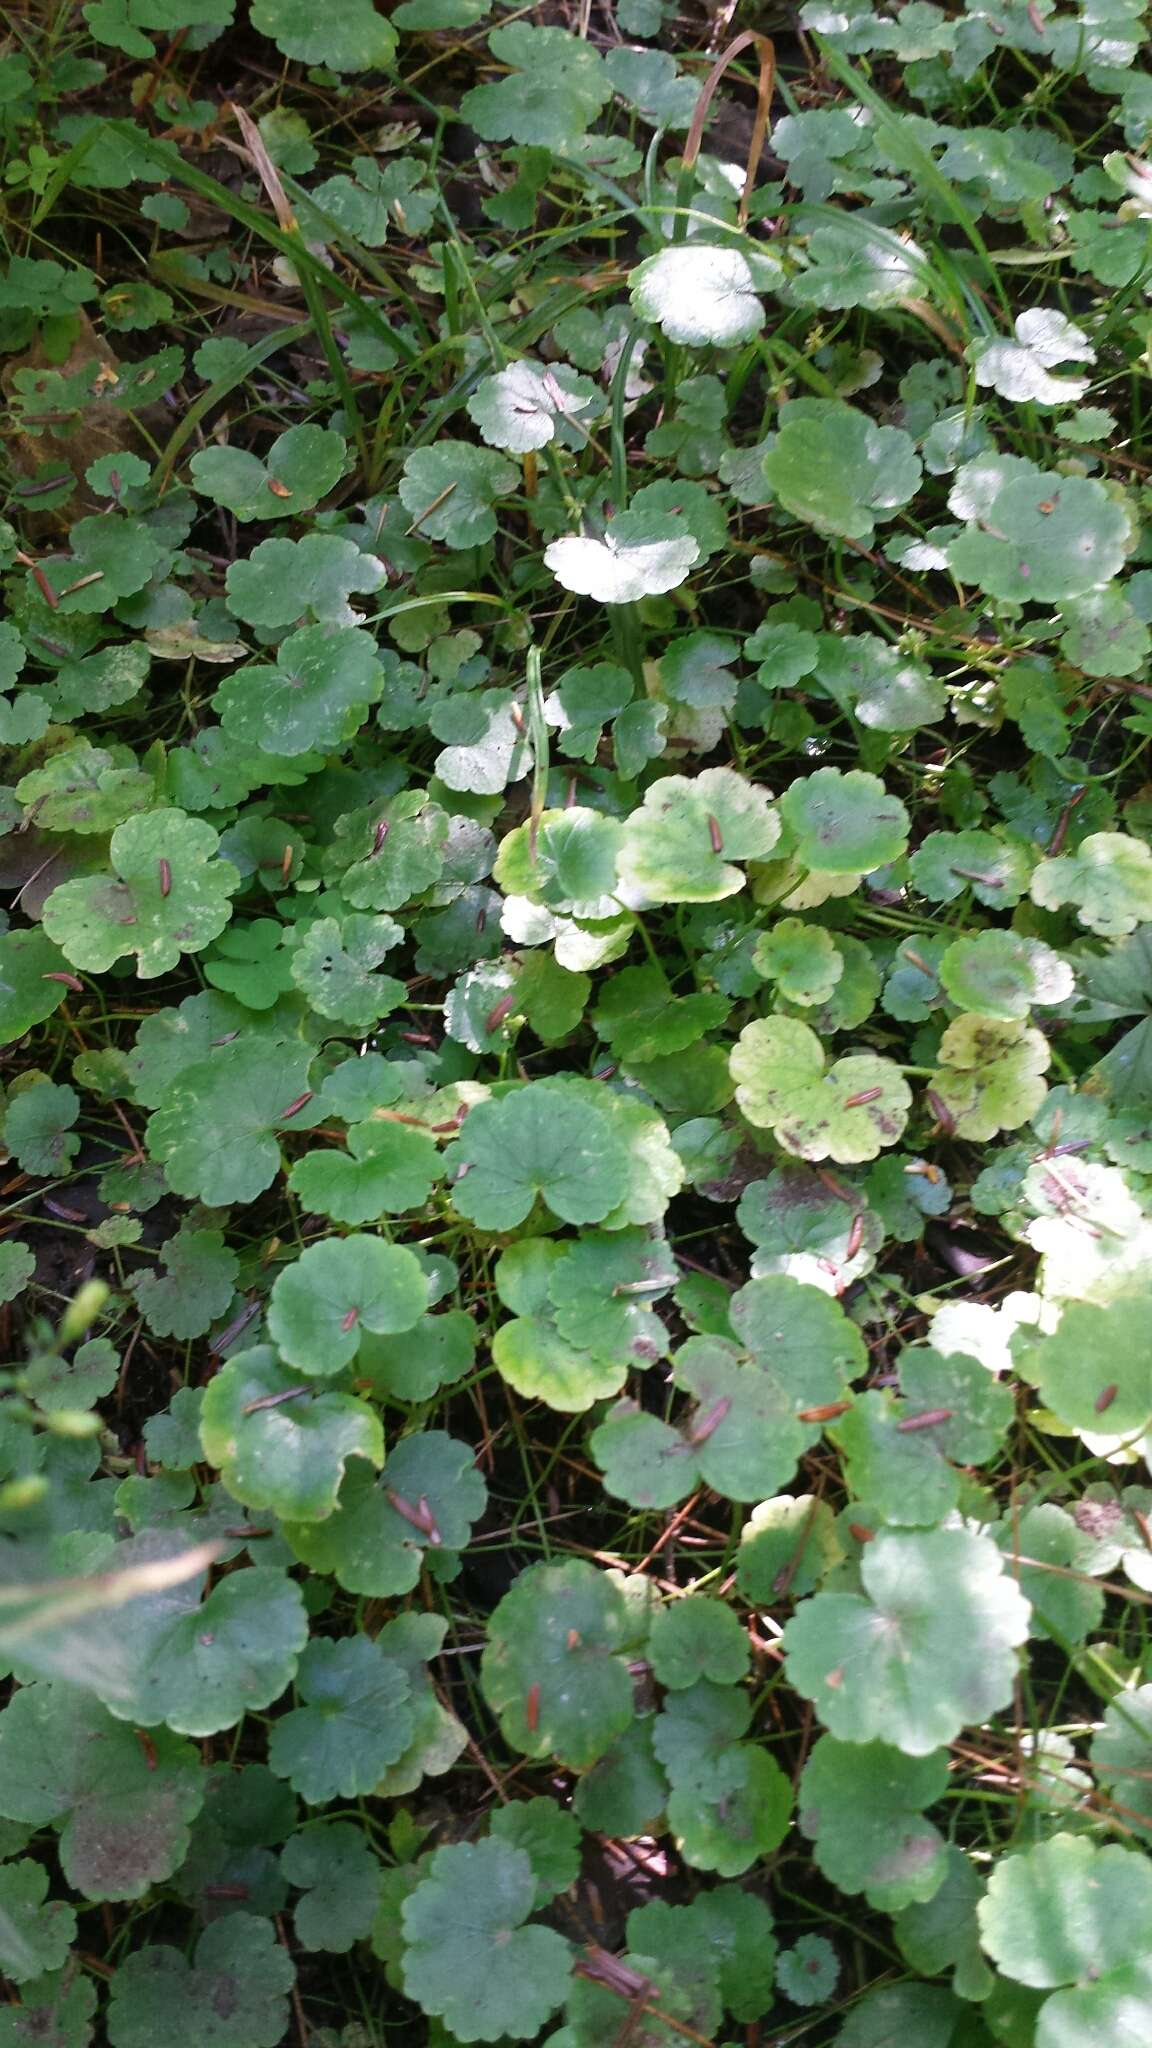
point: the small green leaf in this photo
(1001, 974)
(450, 490)
(680, 846)
(844, 824)
(318, 693)
(537, 1141)
(389, 1167)
(1108, 880)
(123, 1815)
(214, 1131)
(354, 1723)
(29, 987)
(642, 554)
(1094, 1370)
(991, 1076)
(555, 87)
(34, 1936)
(808, 1973)
(281, 580)
(838, 471)
(195, 1287)
(1040, 538)
(1071, 1917)
(339, 1879)
(522, 407)
(697, 1638)
(334, 964)
(550, 1838)
(38, 1128)
(427, 1499)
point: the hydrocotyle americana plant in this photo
(577, 1001)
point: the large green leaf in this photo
(279, 1444)
(928, 1645)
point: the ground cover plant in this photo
(577, 994)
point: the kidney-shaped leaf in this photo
(468, 1958)
(863, 1804)
(234, 1995)
(355, 1721)
(168, 894)
(847, 1112)
(697, 293)
(538, 1140)
(335, 1290)
(427, 1498)
(1072, 1917)
(123, 1813)
(679, 847)
(926, 1648)
(278, 1444)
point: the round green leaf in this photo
(679, 847)
(521, 407)
(801, 959)
(387, 1168)
(199, 1668)
(279, 1445)
(318, 692)
(123, 1815)
(451, 488)
(281, 580)
(337, 1289)
(167, 895)
(738, 1815)
(836, 470)
(1068, 1913)
(1095, 1371)
(555, 87)
(427, 1498)
(34, 1936)
(468, 1958)
(549, 1837)
(355, 1721)
(537, 1140)
(300, 468)
(554, 1666)
(1042, 538)
(642, 554)
(991, 1076)
(697, 1638)
(1001, 974)
(925, 1649)
(234, 1995)
(29, 986)
(1108, 880)
(862, 1805)
(844, 824)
